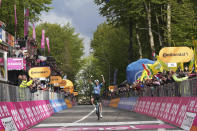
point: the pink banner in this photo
(4, 113)
(47, 40)
(174, 110)
(45, 109)
(168, 109)
(162, 109)
(35, 111)
(26, 23)
(147, 105)
(192, 105)
(40, 110)
(22, 115)
(34, 32)
(152, 106)
(16, 64)
(28, 112)
(16, 116)
(157, 106)
(182, 110)
(43, 40)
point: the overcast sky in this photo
(82, 14)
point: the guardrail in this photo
(184, 88)
(13, 93)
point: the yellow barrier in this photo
(114, 102)
(68, 103)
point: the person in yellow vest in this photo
(24, 84)
(178, 79)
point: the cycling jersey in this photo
(97, 88)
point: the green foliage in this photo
(183, 18)
(66, 46)
(7, 13)
(111, 41)
(110, 47)
(184, 24)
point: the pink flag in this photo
(0, 2)
(34, 32)
(47, 40)
(26, 22)
(43, 40)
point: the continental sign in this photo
(55, 79)
(39, 72)
(75, 93)
(62, 83)
(114, 102)
(69, 89)
(68, 83)
(176, 54)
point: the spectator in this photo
(20, 78)
(24, 83)
(178, 79)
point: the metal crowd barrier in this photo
(10, 93)
(184, 88)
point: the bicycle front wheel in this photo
(98, 112)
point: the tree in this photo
(88, 69)
(170, 21)
(35, 8)
(66, 46)
(110, 46)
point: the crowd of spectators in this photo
(139, 88)
(28, 50)
(32, 84)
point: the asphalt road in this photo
(83, 117)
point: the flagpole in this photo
(44, 50)
(15, 22)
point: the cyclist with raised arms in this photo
(96, 93)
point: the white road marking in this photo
(98, 124)
(134, 127)
(161, 129)
(85, 116)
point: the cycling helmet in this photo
(96, 81)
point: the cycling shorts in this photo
(97, 97)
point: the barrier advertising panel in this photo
(127, 103)
(19, 116)
(188, 121)
(114, 102)
(174, 110)
(68, 103)
(7, 121)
